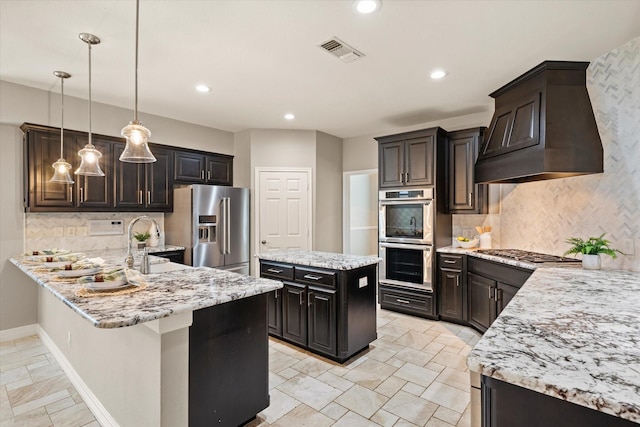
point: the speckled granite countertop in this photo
(508, 261)
(167, 248)
(167, 293)
(573, 334)
(329, 260)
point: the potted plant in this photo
(142, 239)
(591, 250)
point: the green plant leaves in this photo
(591, 246)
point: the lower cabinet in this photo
(490, 287)
(407, 300)
(452, 287)
(329, 312)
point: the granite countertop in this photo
(329, 260)
(166, 248)
(168, 293)
(572, 334)
(516, 263)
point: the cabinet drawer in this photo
(276, 270)
(451, 261)
(314, 276)
(407, 301)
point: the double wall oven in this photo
(406, 228)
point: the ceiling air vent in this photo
(342, 50)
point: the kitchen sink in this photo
(166, 267)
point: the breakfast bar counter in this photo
(570, 334)
(187, 346)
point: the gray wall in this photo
(328, 194)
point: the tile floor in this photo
(414, 374)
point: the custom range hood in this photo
(543, 128)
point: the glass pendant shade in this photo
(90, 164)
(137, 148)
(137, 136)
(61, 167)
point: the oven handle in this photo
(405, 246)
(405, 202)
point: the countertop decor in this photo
(591, 250)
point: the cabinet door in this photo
(189, 167)
(43, 150)
(96, 191)
(219, 170)
(322, 320)
(451, 294)
(158, 184)
(420, 161)
(274, 315)
(482, 306)
(129, 181)
(504, 294)
(461, 165)
(391, 164)
(294, 313)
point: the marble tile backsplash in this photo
(69, 230)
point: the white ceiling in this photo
(261, 58)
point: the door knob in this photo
(264, 242)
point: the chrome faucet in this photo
(129, 259)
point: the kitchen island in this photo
(160, 356)
(328, 302)
(564, 352)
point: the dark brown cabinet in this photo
(490, 287)
(329, 312)
(408, 159)
(463, 194)
(146, 186)
(193, 167)
(452, 289)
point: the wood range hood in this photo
(543, 128)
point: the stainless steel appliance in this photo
(407, 265)
(212, 223)
(406, 216)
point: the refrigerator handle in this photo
(227, 224)
(222, 226)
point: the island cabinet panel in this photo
(228, 363)
(329, 312)
(508, 405)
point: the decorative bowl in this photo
(468, 245)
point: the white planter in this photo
(591, 262)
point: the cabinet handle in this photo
(470, 199)
(81, 195)
(312, 277)
(202, 174)
(208, 175)
(309, 299)
(492, 293)
(450, 261)
(402, 301)
(457, 280)
(148, 197)
(498, 295)
(274, 270)
(276, 293)
(139, 197)
(407, 177)
(301, 301)
(70, 190)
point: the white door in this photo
(284, 210)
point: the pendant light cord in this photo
(62, 118)
(135, 111)
(89, 93)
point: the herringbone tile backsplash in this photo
(541, 215)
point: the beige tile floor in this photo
(414, 374)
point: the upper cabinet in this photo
(193, 167)
(408, 159)
(125, 186)
(463, 195)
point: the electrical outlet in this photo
(58, 231)
(68, 338)
(71, 231)
(628, 246)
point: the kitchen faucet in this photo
(412, 221)
(129, 259)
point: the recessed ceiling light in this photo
(203, 88)
(438, 74)
(289, 116)
(367, 6)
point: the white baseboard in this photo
(17, 333)
(99, 411)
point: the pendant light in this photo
(137, 136)
(61, 167)
(90, 156)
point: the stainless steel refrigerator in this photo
(212, 223)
